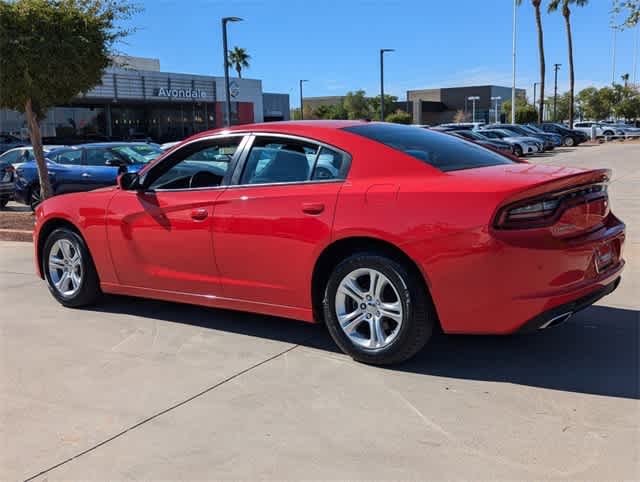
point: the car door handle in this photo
(86, 174)
(199, 214)
(312, 208)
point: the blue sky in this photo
(335, 43)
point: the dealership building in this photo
(136, 100)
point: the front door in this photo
(161, 236)
(270, 227)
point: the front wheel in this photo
(69, 269)
(377, 311)
(569, 142)
(4, 201)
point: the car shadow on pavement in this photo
(595, 352)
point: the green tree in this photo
(389, 105)
(239, 58)
(566, 13)
(51, 51)
(525, 112)
(357, 106)
(630, 10)
(562, 108)
(335, 111)
(536, 7)
(399, 117)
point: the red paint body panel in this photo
(256, 247)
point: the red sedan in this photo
(381, 231)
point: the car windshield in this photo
(138, 153)
(442, 151)
(533, 130)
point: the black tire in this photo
(35, 197)
(517, 150)
(569, 141)
(418, 313)
(608, 133)
(4, 201)
(89, 286)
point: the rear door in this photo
(96, 173)
(271, 223)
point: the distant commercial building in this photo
(137, 100)
(436, 106)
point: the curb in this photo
(16, 235)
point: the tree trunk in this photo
(38, 153)
(536, 6)
(239, 70)
(567, 14)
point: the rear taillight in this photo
(547, 209)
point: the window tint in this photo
(138, 153)
(100, 156)
(71, 157)
(274, 160)
(329, 165)
(204, 167)
(441, 151)
(10, 157)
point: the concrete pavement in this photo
(138, 389)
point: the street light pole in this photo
(301, 100)
(556, 67)
(513, 85)
(473, 100)
(382, 51)
(613, 56)
(535, 84)
(497, 99)
(227, 90)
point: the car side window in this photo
(100, 156)
(70, 157)
(330, 164)
(201, 167)
(10, 157)
(276, 160)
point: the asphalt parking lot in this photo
(137, 389)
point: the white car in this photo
(602, 129)
(522, 145)
(19, 155)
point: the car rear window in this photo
(442, 151)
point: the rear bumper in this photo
(562, 313)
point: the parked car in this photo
(82, 168)
(274, 238)
(602, 129)
(478, 138)
(463, 125)
(168, 145)
(522, 145)
(7, 181)
(549, 141)
(570, 137)
(8, 141)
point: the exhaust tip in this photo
(556, 320)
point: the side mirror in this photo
(129, 181)
(115, 162)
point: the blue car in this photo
(83, 168)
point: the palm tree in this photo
(625, 79)
(566, 13)
(239, 58)
(536, 7)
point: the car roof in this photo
(307, 127)
(108, 144)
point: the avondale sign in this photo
(181, 93)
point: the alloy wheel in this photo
(369, 308)
(65, 267)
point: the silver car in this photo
(602, 129)
(522, 145)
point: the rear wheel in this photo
(4, 201)
(569, 142)
(69, 269)
(607, 133)
(517, 150)
(377, 310)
